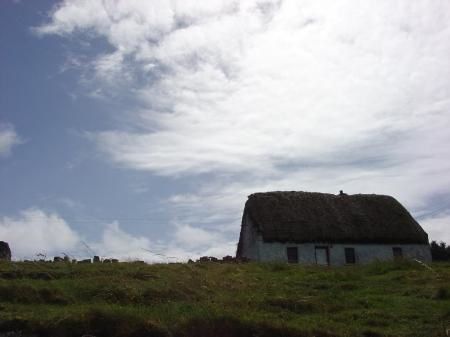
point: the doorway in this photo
(292, 254)
(322, 255)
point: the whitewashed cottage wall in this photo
(256, 249)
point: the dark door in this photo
(350, 256)
(292, 254)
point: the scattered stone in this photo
(190, 261)
(97, 259)
(5, 251)
(74, 261)
(107, 261)
(58, 259)
(228, 258)
(85, 261)
(115, 261)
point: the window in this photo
(350, 256)
(292, 254)
(397, 252)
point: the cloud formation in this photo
(268, 94)
(35, 231)
(8, 139)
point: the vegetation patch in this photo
(213, 299)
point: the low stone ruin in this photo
(225, 259)
(66, 259)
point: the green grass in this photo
(224, 300)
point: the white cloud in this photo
(192, 242)
(116, 243)
(185, 242)
(194, 237)
(264, 94)
(438, 227)
(8, 139)
(240, 75)
(37, 232)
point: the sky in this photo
(137, 129)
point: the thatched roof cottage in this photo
(328, 229)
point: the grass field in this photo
(224, 300)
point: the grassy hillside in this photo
(211, 299)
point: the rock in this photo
(58, 259)
(96, 259)
(5, 251)
(85, 261)
(228, 258)
(114, 260)
(190, 261)
(107, 261)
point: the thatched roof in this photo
(320, 217)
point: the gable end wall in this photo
(251, 240)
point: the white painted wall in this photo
(256, 249)
(364, 253)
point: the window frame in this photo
(352, 255)
(291, 256)
(397, 252)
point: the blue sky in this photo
(137, 126)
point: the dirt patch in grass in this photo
(107, 324)
(95, 322)
(231, 327)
